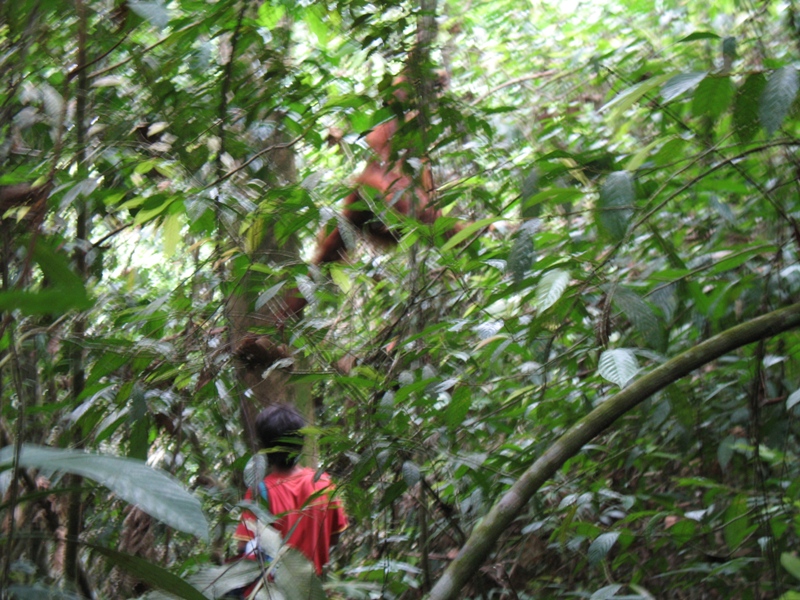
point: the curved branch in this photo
(484, 536)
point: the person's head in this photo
(278, 427)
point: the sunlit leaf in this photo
(793, 400)
(680, 84)
(468, 231)
(606, 592)
(269, 15)
(172, 233)
(154, 12)
(268, 295)
(627, 98)
(550, 288)
(618, 366)
(341, 278)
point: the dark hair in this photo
(278, 427)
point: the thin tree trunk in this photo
(74, 511)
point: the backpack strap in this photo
(262, 490)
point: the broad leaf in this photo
(521, 257)
(411, 473)
(601, 545)
(641, 315)
(778, 97)
(150, 573)
(793, 400)
(627, 98)
(713, 96)
(268, 295)
(154, 12)
(615, 205)
(746, 107)
(681, 84)
(153, 491)
(606, 592)
(737, 523)
(550, 288)
(791, 563)
(296, 577)
(618, 366)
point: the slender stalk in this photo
(74, 510)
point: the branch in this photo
(484, 536)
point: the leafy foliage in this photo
(626, 182)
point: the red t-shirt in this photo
(307, 507)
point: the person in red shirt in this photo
(304, 501)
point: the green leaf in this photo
(554, 196)
(459, 406)
(791, 563)
(627, 98)
(217, 581)
(746, 107)
(268, 295)
(529, 188)
(150, 573)
(341, 278)
(269, 16)
(155, 492)
(737, 523)
(778, 97)
(172, 233)
(713, 96)
(699, 35)
(317, 26)
(469, 230)
(681, 83)
(641, 315)
(255, 470)
(604, 593)
(39, 591)
(618, 366)
(682, 531)
(614, 208)
(793, 400)
(295, 576)
(725, 451)
(153, 12)
(601, 545)
(550, 288)
(64, 289)
(411, 473)
(729, 53)
(521, 256)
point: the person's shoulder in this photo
(316, 477)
